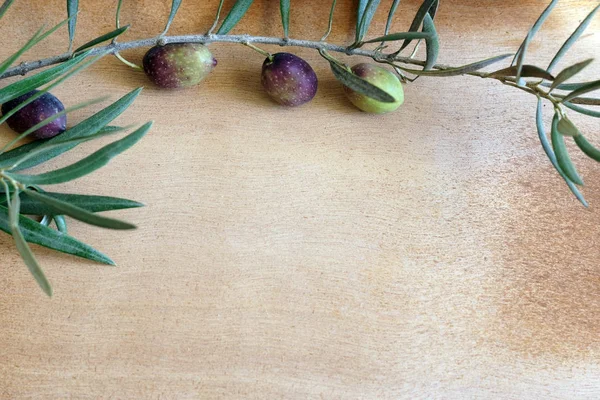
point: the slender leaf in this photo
(235, 15)
(567, 128)
(30, 83)
(33, 232)
(427, 7)
(590, 87)
(88, 127)
(465, 69)
(532, 32)
(569, 72)
(62, 207)
(174, 7)
(87, 165)
(527, 71)
(23, 247)
(562, 155)
(284, 6)
(31, 206)
(362, 5)
(550, 153)
(330, 23)
(582, 110)
(103, 38)
(360, 85)
(4, 7)
(587, 148)
(400, 36)
(567, 86)
(573, 38)
(72, 10)
(366, 19)
(390, 17)
(433, 44)
(61, 223)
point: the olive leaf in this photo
(61, 223)
(465, 69)
(103, 38)
(590, 87)
(520, 54)
(527, 71)
(552, 157)
(562, 155)
(85, 166)
(72, 10)
(362, 5)
(432, 43)
(428, 7)
(390, 17)
(88, 127)
(330, 23)
(360, 85)
(30, 83)
(174, 8)
(94, 204)
(399, 36)
(581, 110)
(587, 148)
(35, 233)
(573, 38)
(365, 21)
(236, 13)
(60, 207)
(566, 86)
(569, 72)
(4, 7)
(284, 6)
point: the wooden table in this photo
(317, 252)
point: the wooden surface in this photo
(317, 252)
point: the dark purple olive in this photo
(35, 112)
(288, 79)
(177, 65)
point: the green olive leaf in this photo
(562, 155)
(4, 7)
(94, 204)
(569, 72)
(362, 5)
(360, 85)
(590, 87)
(527, 71)
(390, 17)
(566, 86)
(432, 43)
(61, 223)
(330, 23)
(428, 7)
(284, 6)
(567, 128)
(552, 157)
(400, 36)
(72, 10)
(573, 38)
(60, 207)
(520, 54)
(85, 166)
(174, 8)
(88, 127)
(582, 110)
(465, 69)
(587, 148)
(367, 17)
(103, 38)
(33, 232)
(236, 13)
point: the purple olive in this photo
(35, 112)
(177, 65)
(288, 79)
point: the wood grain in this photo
(317, 252)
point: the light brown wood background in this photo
(317, 252)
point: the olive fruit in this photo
(288, 79)
(178, 65)
(35, 112)
(383, 79)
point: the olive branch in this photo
(23, 193)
